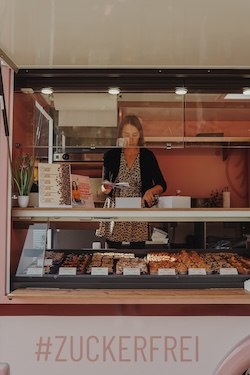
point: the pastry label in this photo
(47, 262)
(131, 271)
(228, 271)
(196, 271)
(35, 271)
(67, 271)
(39, 262)
(166, 271)
(99, 271)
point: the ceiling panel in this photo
(125, 33)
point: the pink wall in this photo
(196, 172)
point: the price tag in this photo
(228, 271)
(39, 262)
(131, 271)
(67, 271)
(99, 271)
(48, 262)
(166, 271)
(197, 271)
(35, 271)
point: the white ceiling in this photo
(125, 33)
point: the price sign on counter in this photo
(35, 271)
(47, 262)
(166, 271)
(228, 271)
(70, 271)
(99, 271)
(197, 271)
(131, 271)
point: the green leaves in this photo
(23, 173)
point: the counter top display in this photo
(161, 268)
(88, 269)
(130, 214)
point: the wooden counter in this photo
(124, 302)
(137, 296)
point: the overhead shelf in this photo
(198, 139)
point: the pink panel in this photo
(4, 369)
(237, 361)
(4, 193)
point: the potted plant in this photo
(23, 176)
(215, 199)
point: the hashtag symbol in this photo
(43, 348)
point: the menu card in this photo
(54, 185)
(81, 191)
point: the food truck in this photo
(69, 303)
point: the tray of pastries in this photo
(150, 263)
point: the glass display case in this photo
(32, 259)
(155, 267)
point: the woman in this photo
(139, 168)
(76, 198)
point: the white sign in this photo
(67, 271)
(131, 271)
(166, 271)
(35, 271)
(79, 345)
(228, 271)
(99, 271)
(196, 271)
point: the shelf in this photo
(143, 214)
(198, 139)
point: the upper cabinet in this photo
(80, 125)
(202, 120)
(213, 113)
(162, 116)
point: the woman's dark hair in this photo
(134, 121)
(74, 185)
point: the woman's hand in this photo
(106, 189)
(151, 196)
(148, 199)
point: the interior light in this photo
(114, 90)
(47, 90)
(246, 91)
(237, 97)
(181, 90)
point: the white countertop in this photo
(143, 214)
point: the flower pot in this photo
(23, 200)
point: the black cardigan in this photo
(150, 171)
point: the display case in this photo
(32, 259)
(155, 267)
